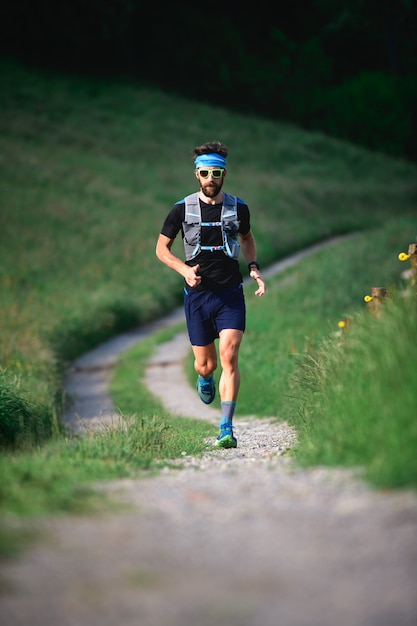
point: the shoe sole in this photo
(206, 401)
(226, 442)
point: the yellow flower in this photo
(341, 324)
(403, 256)
(368, 298)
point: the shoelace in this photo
(226, 430)
(206, 387)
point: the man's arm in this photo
(164, 254)
(248, 247)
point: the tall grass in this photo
(357, 396)
(23, 423)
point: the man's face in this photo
(211, 180)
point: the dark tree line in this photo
(347, 67)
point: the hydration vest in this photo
(192, 226)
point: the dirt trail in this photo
(237, 538)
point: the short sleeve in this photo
(173, 221)
(243, 214)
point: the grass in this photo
(88, 171)
(357, 397)
(62, 476)
(131, 396)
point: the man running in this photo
(214, 225)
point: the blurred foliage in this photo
(306, 62)
(22, 423)
(372, 109)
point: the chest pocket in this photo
(229, 225)
(192, 233)
(230, 228)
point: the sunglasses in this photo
(217, 173)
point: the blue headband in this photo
(210, 160)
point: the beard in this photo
(212, 188)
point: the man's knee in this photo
(205, 359)
(229, 356)
(229, 348)
(205, 368)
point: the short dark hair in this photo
(211, 147)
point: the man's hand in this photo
(256, 275)
(191, 277)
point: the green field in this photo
(88, 171)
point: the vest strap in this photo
(192, 225)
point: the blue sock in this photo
(228, 409)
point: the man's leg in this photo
(229, 344)
(205, 362)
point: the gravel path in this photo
(236, 538)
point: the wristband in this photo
(253, 264)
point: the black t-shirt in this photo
(218, 271)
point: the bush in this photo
(372, 109)
(22, 423)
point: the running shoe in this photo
(206, 389)
(226, 439)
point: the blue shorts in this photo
(209, 312)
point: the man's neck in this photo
(216, 200)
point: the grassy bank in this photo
(356, 397)
(88, 171)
